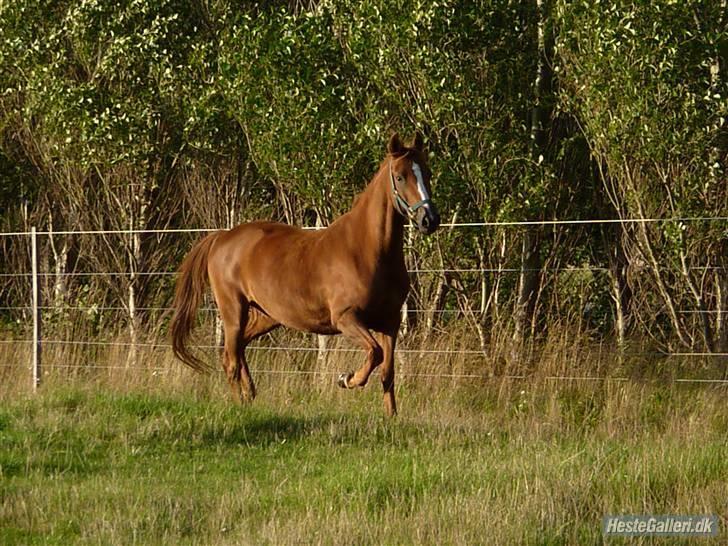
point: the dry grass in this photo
(156, 454)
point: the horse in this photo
(349, 278)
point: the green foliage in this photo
(642, 72)
(647, 82)
(146, 107)
(318, 93)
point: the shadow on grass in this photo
(255, 429)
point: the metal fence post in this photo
(35, 311)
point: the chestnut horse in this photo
(349, 278)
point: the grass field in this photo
(146, 459)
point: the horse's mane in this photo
(357, 198)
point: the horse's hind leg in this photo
(234, 313)
(236, 366)
(246, 385)
(242, 323)
(234, 310)
(254, 325)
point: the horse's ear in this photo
(395, 145)
(418, 142)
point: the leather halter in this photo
(400, 203)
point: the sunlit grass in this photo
(136, 458)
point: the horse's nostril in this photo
(425, 222)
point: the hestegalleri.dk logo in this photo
(663, 525)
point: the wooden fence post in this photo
(35, 311)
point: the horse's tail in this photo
(189, 291)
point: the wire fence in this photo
(298, 348)
(484, 376)
(411, 271)
(36, 309)
(102, 308)
(553, 222)
(158, 370)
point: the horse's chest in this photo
(386, 292)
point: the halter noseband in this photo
(400, 203)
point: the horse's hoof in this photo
(343, 380)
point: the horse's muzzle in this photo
(427, 218)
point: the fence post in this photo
(35, 311)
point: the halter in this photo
(400, 203)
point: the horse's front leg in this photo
(388, 342)
(350, 325)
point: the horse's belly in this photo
(288, 308)
(309, 323)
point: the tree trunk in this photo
(621, 292)
(716, 161)
(437, 303)
(717, 128)
(543, 94)
(138, 206)
(60, 259)
(409, 320)
(528, 281)
(134, 258)
(698, 295)
(721, 316)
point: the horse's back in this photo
(254, 237)
(276, 266)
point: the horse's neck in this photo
(382, 227)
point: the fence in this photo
(36, 308)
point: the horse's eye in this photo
(400, 179)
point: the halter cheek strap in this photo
(400, 203)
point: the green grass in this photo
(507, 463)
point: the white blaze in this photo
(420, 182)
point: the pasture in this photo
(147, 457)
(564, 343)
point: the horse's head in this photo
(409, 178)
